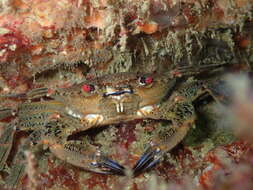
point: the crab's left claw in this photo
(148, 160)
(107, 166)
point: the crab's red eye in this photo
(149, 80)
(146, 80)
(88, 88)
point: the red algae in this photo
(237, 150)
(12, 45)
(125, 135)
(97, 180)
(59, 176)
(220, 159)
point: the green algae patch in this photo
(211, 125)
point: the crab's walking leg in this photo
(6, 112)
(6, 141)
(18, 167)
(82, 155)
(16, 172)
(32, 94)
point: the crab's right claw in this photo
(82, 156)
(148, 160)
(104, 165)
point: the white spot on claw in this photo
(145, 110)
(73, 113)
(94, 119)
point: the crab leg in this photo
(79, 154)
(84, 156)
(6, 112)
(181, 113)
(6, 141)
(182, 118)
(17, 170)
(16, 173)
(37, 93)
(32, 94)
(194, 70)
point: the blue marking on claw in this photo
(115, 168)
(113, 164)
(147, 161)
(151, 164)
(143, 160)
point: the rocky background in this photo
(56, 43)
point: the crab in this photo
(52, 115)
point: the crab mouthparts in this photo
(97, 119)
(118, 95)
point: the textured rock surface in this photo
(55, 43)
